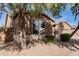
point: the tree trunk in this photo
(75, 31)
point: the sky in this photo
(2, 19)
(66, 16)
(69, 17)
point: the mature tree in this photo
(21, 10)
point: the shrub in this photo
(65, 37)
(48, 39)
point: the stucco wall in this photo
(66, 26)
(63, 27)
(9, 22)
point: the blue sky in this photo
(67, 16)
(2, 19)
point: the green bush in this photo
(48, 39)
(65, 37)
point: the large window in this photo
(38, 27)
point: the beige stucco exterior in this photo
(9, 22)
(63, 27)
(66, 26)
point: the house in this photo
(34, 27)
(63, 27)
